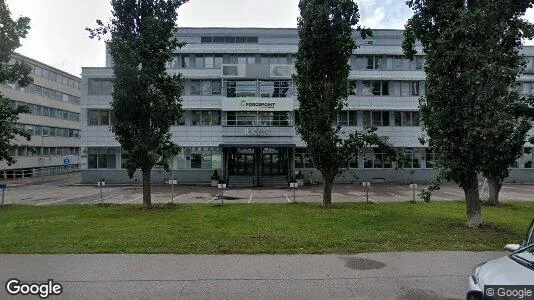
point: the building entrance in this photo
(259, 164)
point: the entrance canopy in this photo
(257, 146)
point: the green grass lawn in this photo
(258, 228)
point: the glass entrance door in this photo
(241, 162)
(275, 161)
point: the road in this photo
(404, 275)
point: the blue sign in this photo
(3, 186)
(66, 161)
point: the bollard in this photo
(294, 185)
(366, 184)
(413, 186)
(222, 186)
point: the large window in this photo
(347, 118)
(376, 160)
(44, 92)
(99, 117)
(102, 158)
(374, 62)
(406, 118)
(376, 88)
(206, 117)
(377, 118)
(205, 87)
(252, 118)
(100, 87)
(38, 110)
(49, 131)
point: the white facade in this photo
(54, 121)
(240, 107)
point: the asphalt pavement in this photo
(393, 275)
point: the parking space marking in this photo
(250, 199)
(216, 196)
(175, 198)
(65, 199)
(451, 193)
(361, 196)
(287, 198)
(140, 197)
(98, 200)
(393, 194)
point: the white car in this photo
(514, 269)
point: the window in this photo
(377, 160)
(199, 61)
(215, 87)
(243, 118)
(196, 161)
(353, 88)
(186, 64)
(419, 63)
(208, 62)
(406, 118)
(376, 88)
(343, 118)
(104, 117)
(100, 87)
(102, 158)
(415, 88)
(353, 118)
(99, 117)
(377, 118)
(217, 61)
(195, 87)
(206, 117)
(373, 62)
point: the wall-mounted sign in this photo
(245, 103)
(257, 131)
(257, 104)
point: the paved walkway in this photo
(405, 275)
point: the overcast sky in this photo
(57, 36)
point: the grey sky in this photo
(57, 36)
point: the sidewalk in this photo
(404, 275)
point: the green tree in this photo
(146, 100)
(322, 71)
(471, 113)
(11, 32)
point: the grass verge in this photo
(258, 228)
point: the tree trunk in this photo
(472, 198)
(147, 201)
(494, 188)
(327, 191)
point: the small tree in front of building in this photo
(11, 32)
(322, 71)
(146, 100)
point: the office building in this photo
(53, 121)
(240, 107)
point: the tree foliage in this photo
(471, 113)
(146, 100)
(11, 32)
(322, 71)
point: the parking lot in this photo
(57, 192)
